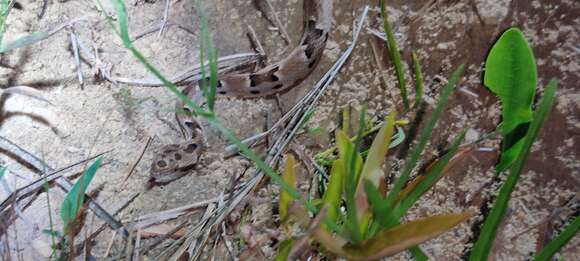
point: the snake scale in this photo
(175, 160)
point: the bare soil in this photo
(99, 116)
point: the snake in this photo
(173, 161)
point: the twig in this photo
(63, 183)
(257, 45)
(43, 9)
(164, 21)
(75, 48)
(266, 7)
(159, 240)
(136, 163)
(115, 213)
(158, 26)
(158, 217)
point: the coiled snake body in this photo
(175, 160)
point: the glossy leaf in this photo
(489, 229)
(289, 177)
(74, 200)
(510, 73)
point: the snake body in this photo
(175, 160)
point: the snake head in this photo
(175, 160)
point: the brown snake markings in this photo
(175, 160)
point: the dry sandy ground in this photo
(99, 116)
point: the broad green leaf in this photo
(332, 196)
(402, 237)
(289, 177)
(74, 200)
(560, 241)
(489, 230)
(510, 73)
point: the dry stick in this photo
(75, 48)
(102, 228)
(257, 45)
(159, 240)
(378, 61)
(38, 184)
(63, 183)
(164, 21)
(266, 7)
(158, 217)
(43, 9)
(298, 113)
(136, 162)
(157, 27)
(98, 66)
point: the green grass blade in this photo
(560, 241)
(510, 73)
(424, 137)
(419, 84)
(208, 87)
(488, 233)
(74, 200)
(395, 55)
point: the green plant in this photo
(511, 74)
(74, 200)
(371, 217)
(395, 55)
